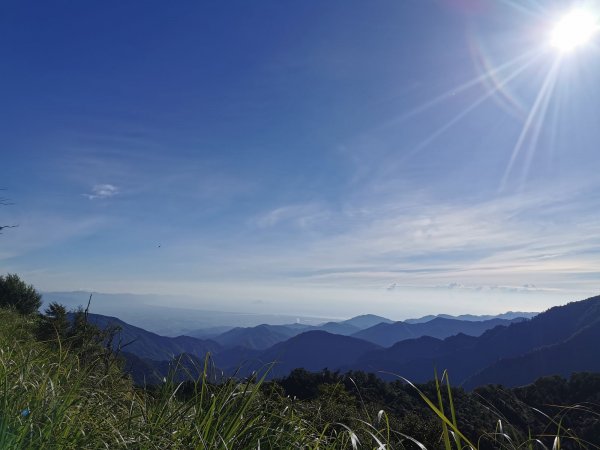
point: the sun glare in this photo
(574, 30)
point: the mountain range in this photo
(513, 352)
(264, 336)
(376, 329)
(490, 358)
(387, 334)
(472, 317)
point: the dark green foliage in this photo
(15, 293)
(73, 332)
(88, 339)
(537, 408)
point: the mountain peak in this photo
(366, 320)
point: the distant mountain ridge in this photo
(376, 329)
(509, 315)
(263, 336)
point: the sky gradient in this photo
(325, 158)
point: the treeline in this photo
(57, 328)
(551, 406)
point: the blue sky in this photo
(328, 158)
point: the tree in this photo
(92, 343)
(19, 295)
(54, 324)
(73, 331)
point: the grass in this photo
(504, 437)
(51, 398)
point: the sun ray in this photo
(523, 9)
(545, 90)
(554, 123)
(492, 73)
(489, 93)
(538, 125)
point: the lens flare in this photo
(574, 30)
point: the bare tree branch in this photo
(5, 202)
(2, 227)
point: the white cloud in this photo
(101, 191)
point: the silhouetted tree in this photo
(17, 294)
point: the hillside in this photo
(148, 345)
(343, 328)
(313, 351)
(391, 359)
(464, 357)
(577, 354)
(259, 337)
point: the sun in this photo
(574, 29)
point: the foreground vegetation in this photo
(62, 386)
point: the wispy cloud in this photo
(299, 215)
(102, 191)
(156, 177)
(513, 243)
(521, 288)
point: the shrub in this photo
(17, 294)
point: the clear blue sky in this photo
(396, 157)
